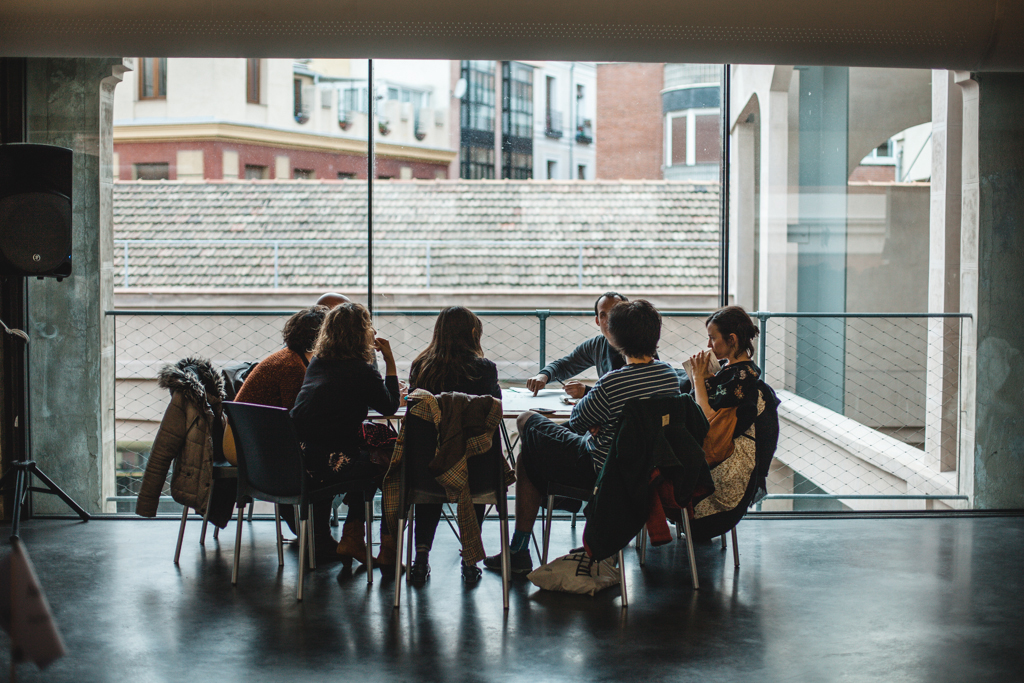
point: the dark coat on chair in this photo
(664, 432)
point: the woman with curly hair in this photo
(341, 386)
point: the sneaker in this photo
(419, 573)
(521, 562)
(472, 573)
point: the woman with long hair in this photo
(453, 361)
(341, 385)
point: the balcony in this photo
(585, 132)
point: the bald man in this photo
(332, 299)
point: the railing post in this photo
(762, 318)
(542, 316)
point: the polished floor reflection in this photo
(905, 599)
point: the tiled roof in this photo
(482, 234)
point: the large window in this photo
(152, 78)
(477, 116)
(517, 121)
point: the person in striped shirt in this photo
(574, 453)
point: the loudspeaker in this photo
(35, 210)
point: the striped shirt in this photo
(602, 405)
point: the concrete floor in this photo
(904, 599)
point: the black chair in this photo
(486, 485)
(270, 468)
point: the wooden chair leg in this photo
(622, 580)
(399, 542)
(181, 534)
(689, 550)
(206, 515)
(238, 544)
(548, 517)
(368, 511)
(303, 539)
(280, 540)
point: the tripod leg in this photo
(20, 489)
(34, 469)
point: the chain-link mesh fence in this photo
(868, 419)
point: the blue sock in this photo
(520, 541)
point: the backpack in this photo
(234, 375)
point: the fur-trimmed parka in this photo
(185, 437)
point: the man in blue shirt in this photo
(595, 352)
(573, 454)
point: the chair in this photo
(486, 484)
(220, 471)
(270, 468)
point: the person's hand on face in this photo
(384, 346)
(536, 383)
(575, 389)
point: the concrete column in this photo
(744, 229)
(992, 268)
(943, 355)
(821, 233)
(71, 354)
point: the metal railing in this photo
(870, 400)
(574, 250)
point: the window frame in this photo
(154, 70)
(253, 74)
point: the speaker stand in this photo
(23, 471)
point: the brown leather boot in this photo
(385, 560)
(352, 545)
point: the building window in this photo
(152, 78)
(516, 121)
(477, 117)
(303, 174)
(552, 117)
(252, 81)
(552, 169)
(153, 171)
(693, 137)
(254, 172)
(303, 97)
(581, 172)
(346, 175)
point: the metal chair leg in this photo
(303, 537)
(251, 506)
(399, 541)
(506, 558)
(573, 521)
(735, 549)
(368, 514)
(206, 515)
(409, 541)
(622, 580)
(238, 545)
(548, 516)
(181, 534)
(312, 538)
(643, 545)
(723, 541)
(334, 512)
(280, 542)
(689, 550)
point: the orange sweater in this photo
(275, 381)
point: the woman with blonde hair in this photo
(342, 384)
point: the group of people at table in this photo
(327, 376)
